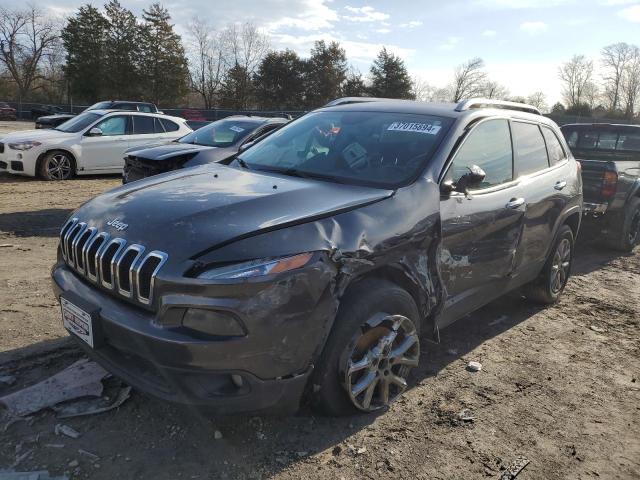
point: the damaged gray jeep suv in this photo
(309, 266)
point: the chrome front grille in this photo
(110, 262)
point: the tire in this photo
(375, 322)
(549, 285)
(57, 165)
(627, 234)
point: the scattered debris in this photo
(40, 475)
(474, 366)
(514, 469)
(361, 450)
(82, 379)
(597, 329)
(7, 379)
(92, 406)
(60, 429)
(92, 456)
(6, 245)
(465, 415)
(217, 435)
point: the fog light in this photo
(213, 322)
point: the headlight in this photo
(24, 145)
(257, 268)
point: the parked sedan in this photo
(7, 112)
(58, 118)
(212, 143)
(94, 142)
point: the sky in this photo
(523, 42)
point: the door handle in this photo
(560, 185)
(515, 203)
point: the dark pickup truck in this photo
(610, 160)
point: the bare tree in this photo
(27, 37)
(630, 84)
(207, 66)
(421, 90)
(576, 76)
(469, 79)
(538, 100)
(244, 45)
(494, 90)
(615, 59)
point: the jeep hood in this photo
(186, 212)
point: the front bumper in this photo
(17, 162)
(203, 371)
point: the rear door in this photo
(146, 130)
(480, 230)
(106, 152)
(542, 168)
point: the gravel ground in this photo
(559, 386)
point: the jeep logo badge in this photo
(117, 224)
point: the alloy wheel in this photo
(634, 228)
(59, 166)
(560, 266)
(384, 351)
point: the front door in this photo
(481, 230)
(106, 151)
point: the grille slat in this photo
(110, 262)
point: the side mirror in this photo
(474, 177)
(244, 146)
(95, 132)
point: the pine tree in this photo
(354, 85)
(123, 53)
(279, 81)
(389, 77)
(326, 72)
(237, 89)
(164, 65)
(84, 41)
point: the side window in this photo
(629, 142)
(531, 152)
(571, 136)
(143, 125)
(169, 126)
(158, 125)
(554, 148)
(124, 106)
(144, 108)
(607, 140)
(489, 147)
(113, 126)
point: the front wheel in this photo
(57, 166)
(371, 350)
(550, 284)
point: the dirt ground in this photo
(559, 386)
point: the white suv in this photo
(94, 142)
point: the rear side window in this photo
(489, 147)
(145, 108)
(169, 126)
(531, 152)
(158, 125)
(629, 142)
(554, 148)
(143, 125)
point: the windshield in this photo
(223, 133)
(367, 148)
(78, 123)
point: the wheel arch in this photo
(57, 149)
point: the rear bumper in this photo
(266, 370)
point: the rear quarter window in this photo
(554, 147)
(169, 126)
(530, 148)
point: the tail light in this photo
(579, 167)
(609, 184)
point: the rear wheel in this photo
(370, 352)
(57, 166)
(550, 284)
(627, 235)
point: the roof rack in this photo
(348, 100)
(489, 103)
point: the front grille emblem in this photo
(118, 225)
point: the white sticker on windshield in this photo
(236, 129)
(427, 128)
